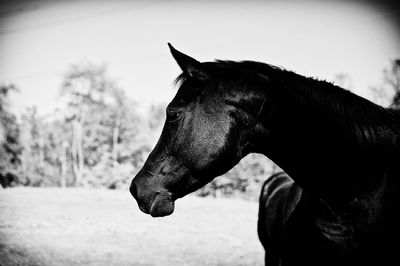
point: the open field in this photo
(49, 226)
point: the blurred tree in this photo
(86, 88)
(244, 180)
(388, 92)
(32, 141)
(101, 117)
(156, 116)
(10, 148)
(45, 143)
(344, 80)
(392, 78)
(2, 134)
(57, 136)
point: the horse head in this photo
(207, 131)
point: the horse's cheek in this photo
(208, 153)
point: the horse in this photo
(340, 149)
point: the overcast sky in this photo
(40, 39)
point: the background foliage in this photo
(100, 139)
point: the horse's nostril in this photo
(133, 190)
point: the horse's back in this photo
(279, 197)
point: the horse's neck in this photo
(325, 149)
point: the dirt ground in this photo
(49, 226)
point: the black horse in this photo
(341, 149)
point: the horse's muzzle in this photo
(162, 205)
(157, 204)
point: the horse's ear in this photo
(189, 65)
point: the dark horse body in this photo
(341, 150)
(297, 228)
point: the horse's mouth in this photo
(163, 204)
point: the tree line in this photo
(100, 139)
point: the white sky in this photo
(313, 38)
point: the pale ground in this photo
(49, 226)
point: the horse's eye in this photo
(172, 116)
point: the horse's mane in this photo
(367, 118)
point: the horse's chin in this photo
(162, 205)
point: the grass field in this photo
(48, 226)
